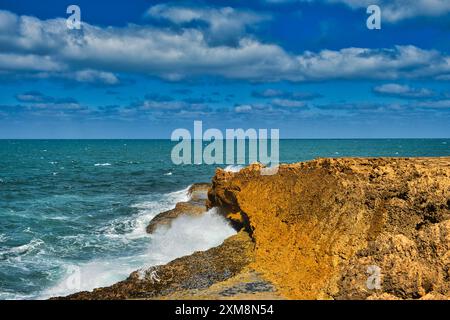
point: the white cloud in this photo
(48, 49)
(245, 108)
(269, 93)
(287, 103)
(403, 91)
(162, 105)
(395, 10)
(434, 104)
(28, 62)
(224, 24)
(392, 10)
(95, 76)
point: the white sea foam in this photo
(102, 272)
(32, 245)
(102, 164)
(18, 251)
(232, 168)
(185, 236)
(149, 209)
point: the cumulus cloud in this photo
(244, 108)
(434, 104)
(152, 106)
(392, 10)
(224, 25)
(157, 106)
(18, 62)
(33, 96)
(396, 10)
(39, 97)
(275, 93)
(37, 104)
(94, 76)
(285, 99)
(287, 103)
(403, 91)
(46, 48)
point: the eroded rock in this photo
(194, 272)
(315, 230)
(319, 225)
(195, 206)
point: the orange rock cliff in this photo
(323, 228)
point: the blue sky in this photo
(140, 69)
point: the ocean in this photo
(81, 206)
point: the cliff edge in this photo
(349, 228)
(346, 228)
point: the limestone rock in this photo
(318, 226)
(324, 229)
(195, 206)
(194, 272)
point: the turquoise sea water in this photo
(82, 206)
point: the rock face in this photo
(195, 206)
(324, 229)
(218, 273)
(195, 272)
(346, 228)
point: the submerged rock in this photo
(195, 206)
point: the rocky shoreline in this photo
(350, 228)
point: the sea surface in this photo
(80, 207)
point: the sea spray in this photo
(96, 216)
(186, 235)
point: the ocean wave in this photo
(137, 248)
(233, 168)
(188, 234)
(106, 164)
(185, 236)
(21, 250)
(134, 227)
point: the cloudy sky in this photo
(140, 68)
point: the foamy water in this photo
(185, 236)
(233, 168)
(83, 206)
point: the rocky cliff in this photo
(346, 228)
(323, 229)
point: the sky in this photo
(141, 69)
